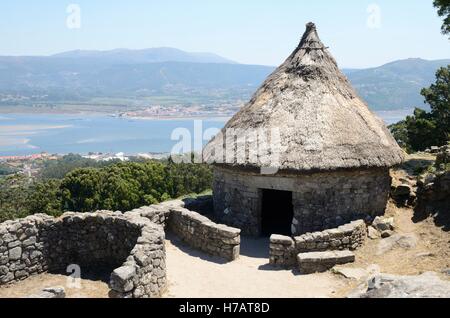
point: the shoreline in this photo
(218, 117)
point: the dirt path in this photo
(194, 274)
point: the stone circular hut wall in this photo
(321, 200)
(107, 240)
(99, 240)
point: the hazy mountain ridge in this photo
(83, 75)
(153, 55)
(397, 84)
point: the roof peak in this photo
(310, 26)
(310, 39)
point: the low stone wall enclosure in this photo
(133, 245)
(284, 249)
(201, 233)
(130, 245)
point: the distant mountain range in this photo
(138, 74)
(395, 85)
(154, 55)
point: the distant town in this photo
(183, 111)
(30, 165)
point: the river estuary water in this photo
(25, 134)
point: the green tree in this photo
(443, 7)
(120, 186)
(45, 197)
(14, 192)
(438, 97)
(81, 190)
(400, 133)
(125, 186)
(421, 130)
(426, 129)
(57, 169)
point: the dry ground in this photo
(193, 274)
(33, 285)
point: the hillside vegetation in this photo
(113, 186)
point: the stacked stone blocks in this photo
(130, 244)
(205, 235)
(41, 243)
(315, 262)
(320, 200)
(284, 249)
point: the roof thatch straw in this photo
(323, 124)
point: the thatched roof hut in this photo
(333, 153)
(324, 124)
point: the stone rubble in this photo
(383, 224)
(372, 233)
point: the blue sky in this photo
(248, 31)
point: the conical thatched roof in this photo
(323, 123)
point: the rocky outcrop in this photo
(443, 157)
(356, 274)
(402, 241)
(433, 192)
(427, 285)
(434, 188)
(383, 224)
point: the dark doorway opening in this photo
(277, 212)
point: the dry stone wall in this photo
(284, 249)
(321, 200)
(158, 213)
(103, 239)
(193, 228)
(23, 248)
(201, 233)
(130, 245)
